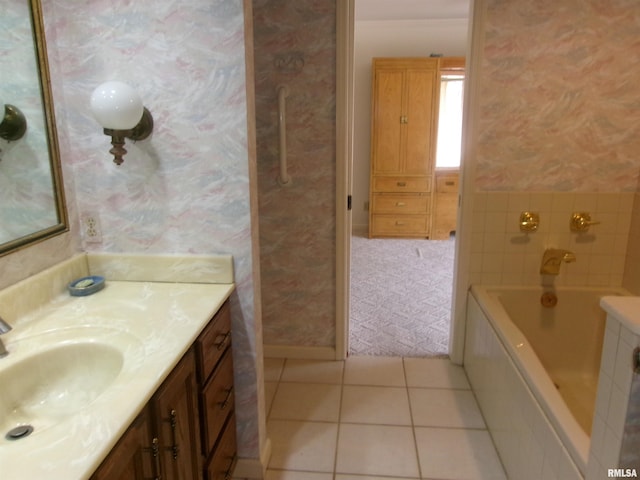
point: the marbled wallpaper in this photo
(186, 188)
(560, 97)
(295, 46)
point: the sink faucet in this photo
(4, 328)
(553, 258)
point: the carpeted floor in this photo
(400, 297)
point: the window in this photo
(450, 121)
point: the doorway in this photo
(415, 253)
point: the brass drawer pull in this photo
(402, 184)
(450, 183)
(399, 223)
(222, 343)
(154, 449)
(400, 204)
(225, 403)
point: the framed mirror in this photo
(32, 205)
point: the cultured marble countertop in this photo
(625, 309)
(161, 320)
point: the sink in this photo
(50, 377)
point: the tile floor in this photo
(370, 417)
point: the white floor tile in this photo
(307, 401)
(269, 392)
(305, 446)
(375, 405)
(435, 373)
(445, 408)
(273, 369)
(377, 371)
(313, 371)
(449, 453)
(377, 450)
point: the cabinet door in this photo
(421, 106)
(132, 457)
(175, 410)
(386, 121)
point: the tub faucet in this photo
(4, 328)
(553, 258)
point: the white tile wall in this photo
(614, 388)
(527, 444)
(501, 254)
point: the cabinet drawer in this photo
(398, 225)
(212, 343)
(447, 184)
(217, 402)
(223, 461)
(401, 184)
(418, 204)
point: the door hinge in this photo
(348, 202)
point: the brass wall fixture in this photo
(14, 123)
(119, 109)
(581, 221)
(529, 221)
(552, 258)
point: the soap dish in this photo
(86, 286)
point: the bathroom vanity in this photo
(143, 370)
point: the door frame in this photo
(344, 171)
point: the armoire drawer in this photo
(447, 183)
(401, 184)
(402, 204)
(397, 225)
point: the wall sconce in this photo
(14, 123)
(118, 108)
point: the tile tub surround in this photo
(526, 442)
(166, 317)
(614, 440)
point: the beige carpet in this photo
(400, 297)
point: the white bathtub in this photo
(556, 351)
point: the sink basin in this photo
(51, 377)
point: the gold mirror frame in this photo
(40, 50)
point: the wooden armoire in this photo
(405, 94)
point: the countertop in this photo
(164, 318)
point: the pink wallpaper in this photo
(186, 188)
(295, 46)
(559, 96)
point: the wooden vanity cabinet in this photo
(131, 458)
(187, 430)
(214, 362)
(446, 204)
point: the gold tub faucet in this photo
(553, 258)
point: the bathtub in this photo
(555, 350)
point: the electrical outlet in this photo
(91, 226)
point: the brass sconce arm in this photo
(119, 110)
(14, 123)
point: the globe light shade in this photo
(116, 106)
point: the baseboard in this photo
(254, 468)
(302, 353)
(360, 230)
